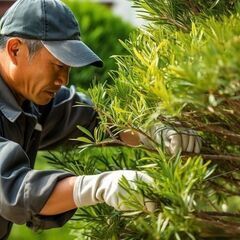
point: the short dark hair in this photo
(33, 45)
(3, 41)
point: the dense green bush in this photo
(101, 30)
(181, 70)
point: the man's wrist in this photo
(130, 137)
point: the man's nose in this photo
(62, 79)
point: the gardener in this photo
(39, 42)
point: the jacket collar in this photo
(8, 104)
(11, 108)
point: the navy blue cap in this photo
(52, 22)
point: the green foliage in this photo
(180, 14)
(23, 233)
(203, 63)
(178, 190)
(100, 30)
(173, 76)
(182, 70)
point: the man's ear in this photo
(13, 47)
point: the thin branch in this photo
(213, 223)
(221, 157)
(117, 143)
(195, 9)
(218, 214)
(175, 23)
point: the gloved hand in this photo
(92, 189)
(173, 141)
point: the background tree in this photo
(182, 70)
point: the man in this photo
(39, 42)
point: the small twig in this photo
(175, 23)
(227, 228)
(211, 204)
(218, 214)
(223, 174)
(193, 7)
(116, 143)
(220, 157)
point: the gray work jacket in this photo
(23, 131)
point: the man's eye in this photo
(59, 66)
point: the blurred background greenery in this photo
(101, 30)
(22, 233)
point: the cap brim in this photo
(73, 53)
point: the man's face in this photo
(38, 78)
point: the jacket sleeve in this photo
(23, 191)
(62, 115)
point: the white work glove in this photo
(173, 141)
(92, 189)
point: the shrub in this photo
(182, 69)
